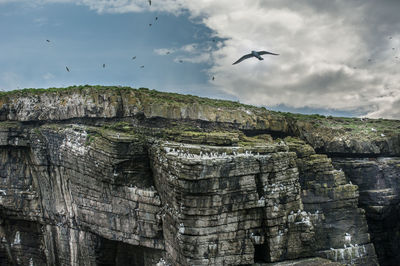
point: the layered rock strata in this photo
(327, 190)
(379, 185)
(97, 176)
(80, 192)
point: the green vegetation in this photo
(252, 141)
(119, 126)
(145, 99)
(89, 139)
(8, 124)
(142, 93)
(365, 127)
(32, 91)
(169, 97)
(347, 126)
(296, 116)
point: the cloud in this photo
(200, 58)
(164, 51)
(190, 48)
(191, 53)
(48, 76)
(333, 54)
(324, 50)
(10, 81)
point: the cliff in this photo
(116, 176)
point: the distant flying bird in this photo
(213, 78)
(180, 61)
(141, 66)
(253, 54)
(67, 68)
(134, 57)
(156, 18)
(47, 40)
(104, 65)
(168, 52)
(150, 24)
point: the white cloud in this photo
(10, 81)
(190, 48)
(324, 48)
(191, 53)
(323, 61)
(200, 58)
(164, 51)
(48, 76)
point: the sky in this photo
(339, 57)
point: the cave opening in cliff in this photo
(260, 253)
(116, 253)
(134, 171)
(21, 242)
(256, 132)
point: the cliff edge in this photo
(96, 175)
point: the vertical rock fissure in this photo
(378, 182)
(261, 251)
(343, 234)
(5, 241)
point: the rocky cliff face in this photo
(116, 176)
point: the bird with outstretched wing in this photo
(253, 54)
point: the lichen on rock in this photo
(112, 175)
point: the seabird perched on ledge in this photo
(253, 54)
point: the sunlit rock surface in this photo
(116, 176)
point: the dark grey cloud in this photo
(334, 54)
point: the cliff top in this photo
(167, 97)
(188, 113)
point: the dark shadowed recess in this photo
(21, 239)
(115, 253)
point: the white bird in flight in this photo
(253, 54)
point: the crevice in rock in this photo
(21, 243)
(261, 250)
(256, 132)
(115, 253)
(378, 184)
(260, 253)
(351, 155)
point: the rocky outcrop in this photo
(81, 192)
(115, 176)
(327, 189)
(379, 185)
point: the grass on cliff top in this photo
(351, 126)
(141, 92)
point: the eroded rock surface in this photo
(378, 180)
(119, 176)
